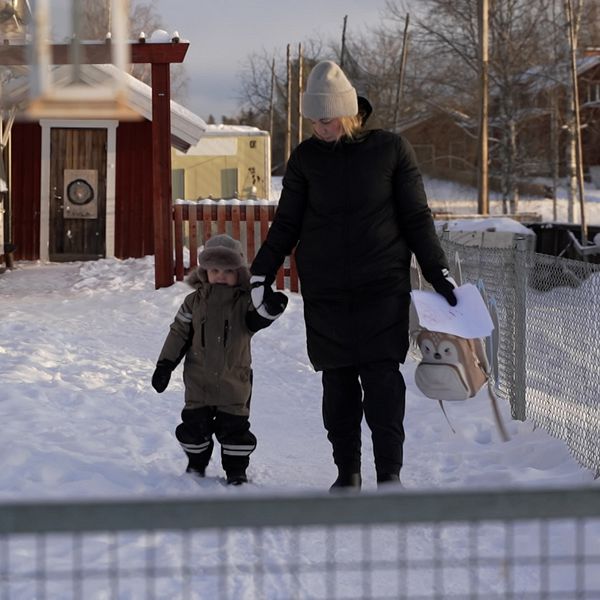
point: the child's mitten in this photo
(162, 375)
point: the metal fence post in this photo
(522, 249)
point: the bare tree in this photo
(446, 42)
(260, 72)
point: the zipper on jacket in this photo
(225, 332)
(202, 338)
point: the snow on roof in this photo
(546, 77)
(233, 130)
(460, 118)
(186, 127)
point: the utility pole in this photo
(573, 27)
(272, 100)
(343, 51)
(483, 200)
(400, 85)
(300, 62)
(554, 128)
(288, 127)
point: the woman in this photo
(354, 206)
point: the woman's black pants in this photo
(378, 390)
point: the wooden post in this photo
(179, 219)
(161, 175)
(193, 235)
(483, 200)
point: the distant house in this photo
(445, 142)
(229, 161)
(542, 88)
(82, 189)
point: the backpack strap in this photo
(446, 415)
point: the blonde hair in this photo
(351, 125)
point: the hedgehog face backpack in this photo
(452, 367)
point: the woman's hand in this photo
(444, 285)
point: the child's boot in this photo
(236, 477)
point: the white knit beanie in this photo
(328, 93)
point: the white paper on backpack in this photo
(469, 318)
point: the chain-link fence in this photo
(563, 353)
(521, 545)
(548, 352)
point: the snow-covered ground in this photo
(78, 345)
(459, 199)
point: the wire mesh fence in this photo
(563, 355)
(451, 545)
(548, 353)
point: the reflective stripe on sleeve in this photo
(183, 316)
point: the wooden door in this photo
(77, 204)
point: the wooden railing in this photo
(248, 222)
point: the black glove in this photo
(161, 376)
(268, 304)
(444, 286)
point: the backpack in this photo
(452, 367)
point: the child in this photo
(212, 330)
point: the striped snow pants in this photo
(195, 434)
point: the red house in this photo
(88, 189)
(113, 158)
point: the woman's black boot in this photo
(348, 480)
(384, 479)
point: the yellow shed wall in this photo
(203, 172)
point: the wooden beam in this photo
(98, 53)
(161, 175)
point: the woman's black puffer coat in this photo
(355, 210)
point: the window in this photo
(229, 183)
(593, 91)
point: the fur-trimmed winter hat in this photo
(328, 93)
(221, 252)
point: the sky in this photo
(223, 34)
(78, 345)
